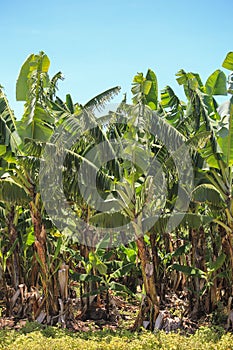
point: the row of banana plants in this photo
(137, 202)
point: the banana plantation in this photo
(101, 209)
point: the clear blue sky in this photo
(100, 44)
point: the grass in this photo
(33, 337)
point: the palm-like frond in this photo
(207, 193)
(53, 85)
(31, 87)
(98, 102)
(145, 89)
(8, 133)
(12, 192)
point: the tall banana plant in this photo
(137, 148)
(18, 185)
(217, 189)
(9, 142)
(197, 122)
(66, 118)
(212, 162)
(19, 144)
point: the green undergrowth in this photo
(33, 337)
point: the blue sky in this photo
(100, 44)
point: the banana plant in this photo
(9, 142)
(212, 160)
(131, 130)
(216, 190)
(46, 114)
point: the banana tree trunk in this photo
(149, 309)
(49, 284)
(40, 246)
